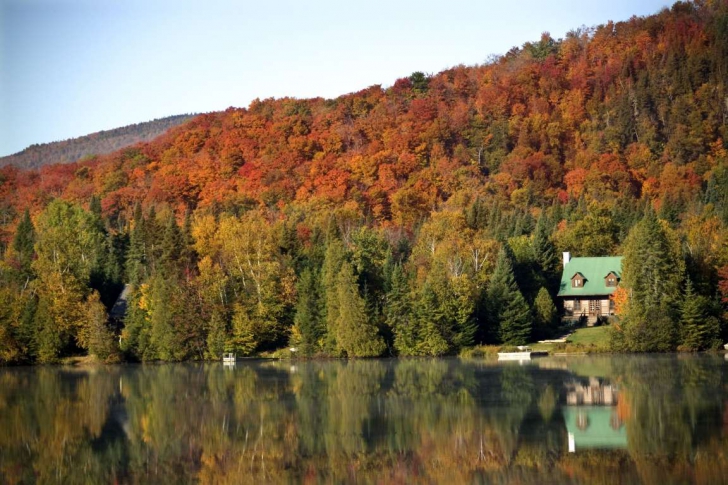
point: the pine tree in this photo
(543, 249)
(308, 326)
(398, 312)
(465, 325)
(355, 334)
(23, 244)
(652, 272)
(171, 249)
(430, 323)
(333, 259)
(508, 310)
(698, 329)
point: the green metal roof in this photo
(598, 433)
(594, 270)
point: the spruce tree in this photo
(508, 310)
(430, 321)
(333, 259)
(652, 272)
(465, 324)
(355, 333)
(544, 251)
(398, 312)
(308, 326)
(23, 244)
(171, 250)
(698, 329)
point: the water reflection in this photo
(642, 419)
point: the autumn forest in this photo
(418, 219)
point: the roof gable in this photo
(594, 271)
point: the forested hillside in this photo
(417, 219)
(99, 143)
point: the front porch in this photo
(590, 308)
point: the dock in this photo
(523, 353)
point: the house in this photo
(587, 284)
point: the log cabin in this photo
(587, 284)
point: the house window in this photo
(576, 282)
(611, 280)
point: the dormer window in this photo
(577, 281)
(611, 280)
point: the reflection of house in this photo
(591, 416)
(593, 394)
(587, 284)
(594, 427)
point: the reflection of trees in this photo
(674, 407)
(398, 421)
(49, 420)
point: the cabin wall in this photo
(575, 307)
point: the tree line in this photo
(332, 284)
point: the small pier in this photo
(524, 353)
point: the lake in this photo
(584, 419)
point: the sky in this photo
(73, 67)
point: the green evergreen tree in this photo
(398, 312)
(430, 322)
(508, 310)
(652, 272)
(134, 341)
(355, 334)
(543, 249)
(333, 260)
(698, 329)
(172, 247)
(308, 326)
(163, 339)
(465, 325)
(23, 244)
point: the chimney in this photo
(567, 258)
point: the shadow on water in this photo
(603, 419)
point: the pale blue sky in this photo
(73, 67)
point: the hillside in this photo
(417, 219)
(99, 143)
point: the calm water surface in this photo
(643, 419)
